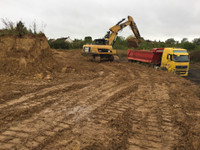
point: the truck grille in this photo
(180, 72)
(181, 67)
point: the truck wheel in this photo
(129, 60)
(163, 68)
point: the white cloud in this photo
(156, 19)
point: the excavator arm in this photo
(113, 31)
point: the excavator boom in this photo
(112, 34)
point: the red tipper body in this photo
(149, 56)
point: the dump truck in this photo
(174, 60)
(103, 48)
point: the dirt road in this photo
(106, 105)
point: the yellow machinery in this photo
(176, 60)
(103, 48)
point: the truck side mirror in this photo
(171, 57)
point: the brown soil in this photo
(106, 105)
(194, 73)
(27, 56)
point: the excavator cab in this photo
(100, 42)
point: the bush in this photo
(146, 45)
(62, 44)
(17, 29)
(59, 44)
(195, 56)
(120, 43)
(196, 41)
(77, 44)
(189, 46)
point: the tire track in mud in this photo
(117, 105)
(83, 115)
(30, 102)
(37, 99)
(187, 120)
(55, 117)
(153, 126)
(42, 92)
(106, 109)
(25, 110)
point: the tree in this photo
(88, 39)
(170, 41)
(196, 41)
(21, 29)
(188, 46)
(184, 40)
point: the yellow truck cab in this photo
(175, 60)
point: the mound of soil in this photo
(30, 55)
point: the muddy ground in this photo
(106, 105)
(194, 73)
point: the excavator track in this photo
(96, 58)
(99, 58)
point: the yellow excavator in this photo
(103, 48)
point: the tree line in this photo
(125, 43)
(122, 43)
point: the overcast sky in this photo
(156, 19)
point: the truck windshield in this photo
(181, 58)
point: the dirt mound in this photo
(30, 55)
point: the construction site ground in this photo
(107, 105)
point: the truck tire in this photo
(129, 60)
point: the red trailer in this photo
(149, 56)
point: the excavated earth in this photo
(88, 105)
